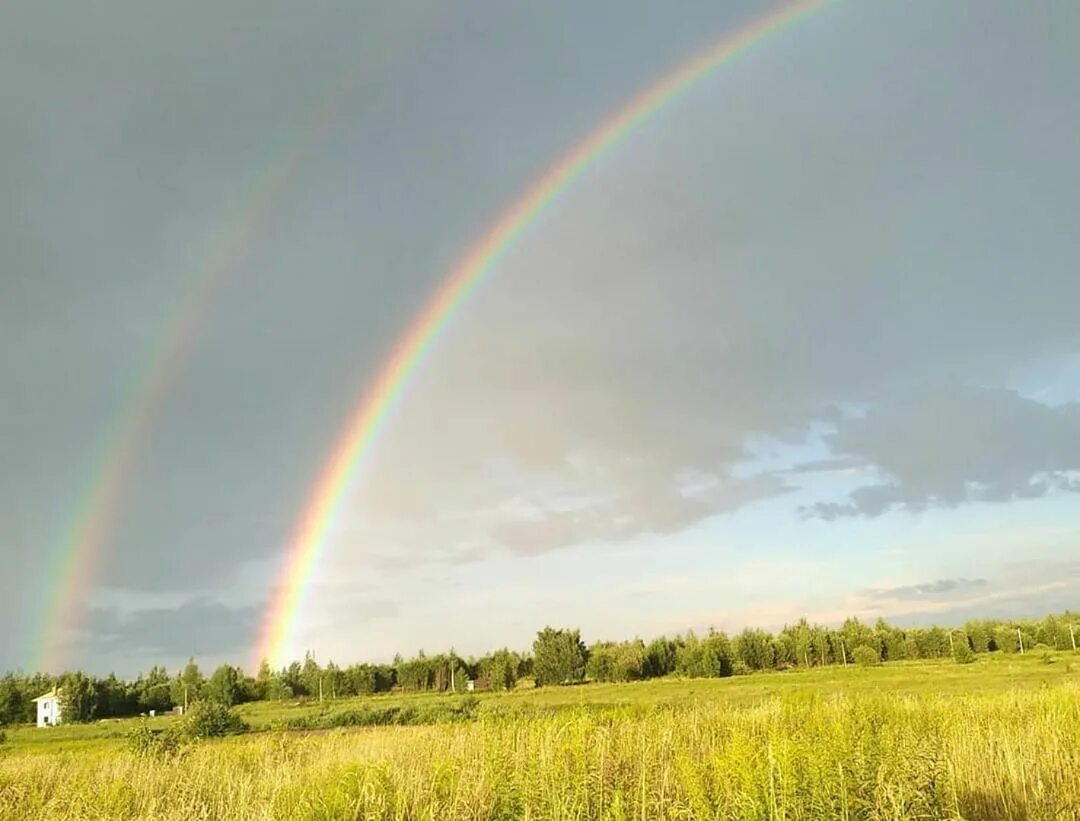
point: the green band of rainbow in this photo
(383, 395)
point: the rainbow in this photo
(82, 552)
(385, 393)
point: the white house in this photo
(48, 708)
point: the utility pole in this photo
(1072, 637)
(843, 651)
(320, 688)
(453, 689)
(185, 698)
(951, 651)
(1020, 636)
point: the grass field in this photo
(999, 738)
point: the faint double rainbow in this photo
(82, 551)
(75, 566)
(385, 393)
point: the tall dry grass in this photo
(990, 756)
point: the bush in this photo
(211, 719)
(963, 654)
(740, 668)
(464, 709)
(866, 656)
(148, 743)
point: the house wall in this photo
(48, 712)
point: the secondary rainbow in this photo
(76, 564)
(382, 396)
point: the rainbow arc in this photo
(379, 401)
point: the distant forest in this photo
(558, 657)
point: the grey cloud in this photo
(946, 445)
(366, 609)
(654, 510)
(198, 627)
(830, 465)
(935, 589)
(656, 322)
(787, 238)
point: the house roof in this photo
(53, 693)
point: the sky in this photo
(804, 343)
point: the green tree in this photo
(783, 649)
(13, 700)
(112, 697)
(599, 664)
(152, 691)
(361, 678)
(979, 636)
(866, 655)
(334, 681)
(187, 687)
(708, 657)
(262, 680)
(291, 677)
(417, 673)
(224, 685)
(558, 656)
(660, 657)
(894, 645)
(890, 640)
(310, 675)
(277, 689)
(854, 633)
(1005, 639)
(502, 669)
(802, 640)
(754, 648)
(77, 702)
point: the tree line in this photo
(558, 656)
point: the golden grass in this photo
(1004, 755)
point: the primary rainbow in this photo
(379, 401)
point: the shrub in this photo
(461, 710)
(866, 656)
(963, 654)
(148, 743)
(211, 719)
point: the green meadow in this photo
(995, 739)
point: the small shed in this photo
(48, 708)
